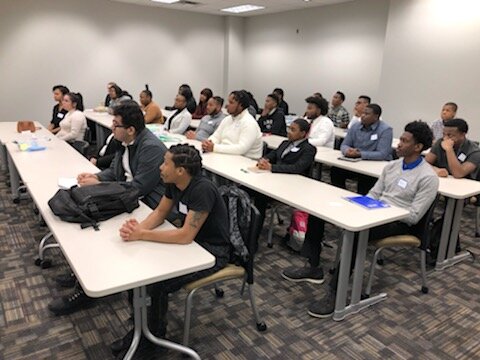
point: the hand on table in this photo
(130, 230)
(207, 146)
(264, 164)
(87, 179)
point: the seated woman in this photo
(294, 156)
(59, 91)
(117, 95)
(201, 109)
(152, 112)
(179, 121)
(74, 124)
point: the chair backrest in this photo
(422, 228)
(81, 146)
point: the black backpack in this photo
(88, 205)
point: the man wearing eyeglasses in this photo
(137, 162)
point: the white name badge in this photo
(60, 115)
(210, 122)
(402, 183)
(295, 149)
(462, 157)
(182, 208)
(374, 137)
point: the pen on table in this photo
(245, 171)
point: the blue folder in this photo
(367, 202)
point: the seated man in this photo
(137, 163)
(238, 134)
(180, 119)
(360, 105)
(205, 220)
(272, 118)
(282, 104)
(321, 130)
(153, 114)
(371, 139)
(455, 154)
(294, 156)
(409, 183)
(338, 114)
(449, 110)
(209, 122)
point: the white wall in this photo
(432, 55)
(234, 78)
(337, 47)
(85, 44)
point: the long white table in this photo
(321, 200)
(102, 262)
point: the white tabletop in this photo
(314, 197)
(195, 123)
(101, 118)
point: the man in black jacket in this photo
(294, 156)
(272, 119)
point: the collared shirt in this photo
(374, 142)
(208, 125)
(354, 120)
(468, 151)
(339, 115)
(437, 129)
(126, 161)
(291, 145)
(412, 165)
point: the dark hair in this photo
(377, 110)
(207, 92)
(365, 97)
(321, 103)
(76, 99)
(188, 157)
(62, 88)
(453, 105)
(278, 91)
(131, 114)
(421, 133)
(218, 99)
(185, 86)
(303, 124)
(147, 92)
(118, 90)
(317, 94)
(242, 97)
(460, 124)
(186, 93)
(274, 97)
(342, 95)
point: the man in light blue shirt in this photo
(209, 123)
(370, 139)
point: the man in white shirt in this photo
(321, 128)
(238, 134)
(360, 105)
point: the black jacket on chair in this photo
(297, 161)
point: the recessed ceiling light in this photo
(243, 8)
(166, 1)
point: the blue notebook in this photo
(367, 202)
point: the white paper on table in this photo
(66, 183)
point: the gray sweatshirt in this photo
(413, 189)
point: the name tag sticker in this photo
(295, 149)
(374, 137)
(60, 115)
(210, 122)
(182, 208)
(462, 157)
(402, 183)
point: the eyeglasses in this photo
(114, 126)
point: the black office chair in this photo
(420, 239)
(242, 271)
(81, 146)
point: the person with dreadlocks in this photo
(204, 217)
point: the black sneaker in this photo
(69, 304)
(323, 308)
(309, 274)
(122, 344)
(66, 280)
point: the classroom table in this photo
(103, 124)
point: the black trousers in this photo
(339, 176)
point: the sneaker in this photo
(66, 280)
(323, 308)
(69, 304)
(308, 274)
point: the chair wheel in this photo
(364, 296)
(424, 289)
(380, 262)
(331, 271)
(261, 326)
(38, 261)
(270, 245)
(219, 293)
(16, 200)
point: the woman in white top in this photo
(321, 128)
(179, 121)
(74, 124)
